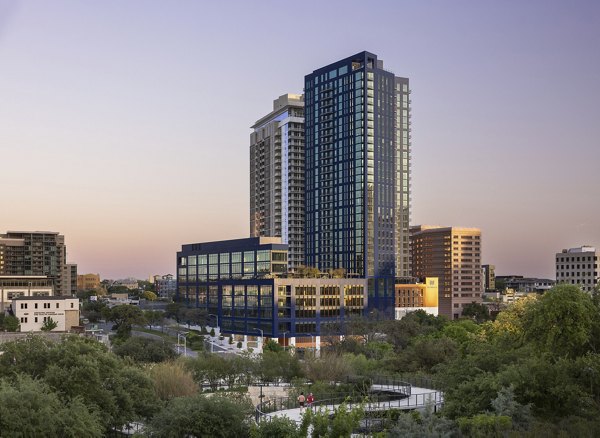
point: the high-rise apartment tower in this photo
(357, 118)
(454, 256)
(37, 253)
(277, 176)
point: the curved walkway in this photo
(419, 398)
(407, 398)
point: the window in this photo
(263, 256)
(57, 305)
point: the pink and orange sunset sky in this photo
(125, 124)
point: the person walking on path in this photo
(309, 400)
(301, 400)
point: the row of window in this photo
(24, 319)
(576, 274)
(234, 257)
(577, 259)
(46, 305)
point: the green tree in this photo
(340, 424)
(49, 325)
(562, 322)
(149, 295)
(172, 311)
(125, 316)
(422, 425)
(208, 368)
(424, 354)
(485, 426)
(94, 310)
(147, 286)
(29, 407)
(505, 404)
(476, 311)
(276, 427)
(195, 341)
(154, 317)
(273, 346)
(275, 366)
(400, 333)
(145, 350)
(83, 368)
(216, 416)
(10, 323)
(118, 289)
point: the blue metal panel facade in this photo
(296, 307)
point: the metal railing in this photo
(397, 394)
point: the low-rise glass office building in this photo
(244, 283)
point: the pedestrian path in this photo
(419, 398)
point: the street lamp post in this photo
(179, 336)
(284, 333)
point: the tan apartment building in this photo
(88, 281)
(277, 176)
(38, 253)
(453, 255)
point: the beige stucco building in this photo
(32, 312)
(453, 255)
(88, 281)
(417, 296)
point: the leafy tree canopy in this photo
(145, 350)
(214, 416)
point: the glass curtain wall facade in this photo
(235, 281)
(277, 176)
(357, 172)
(214, 276)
